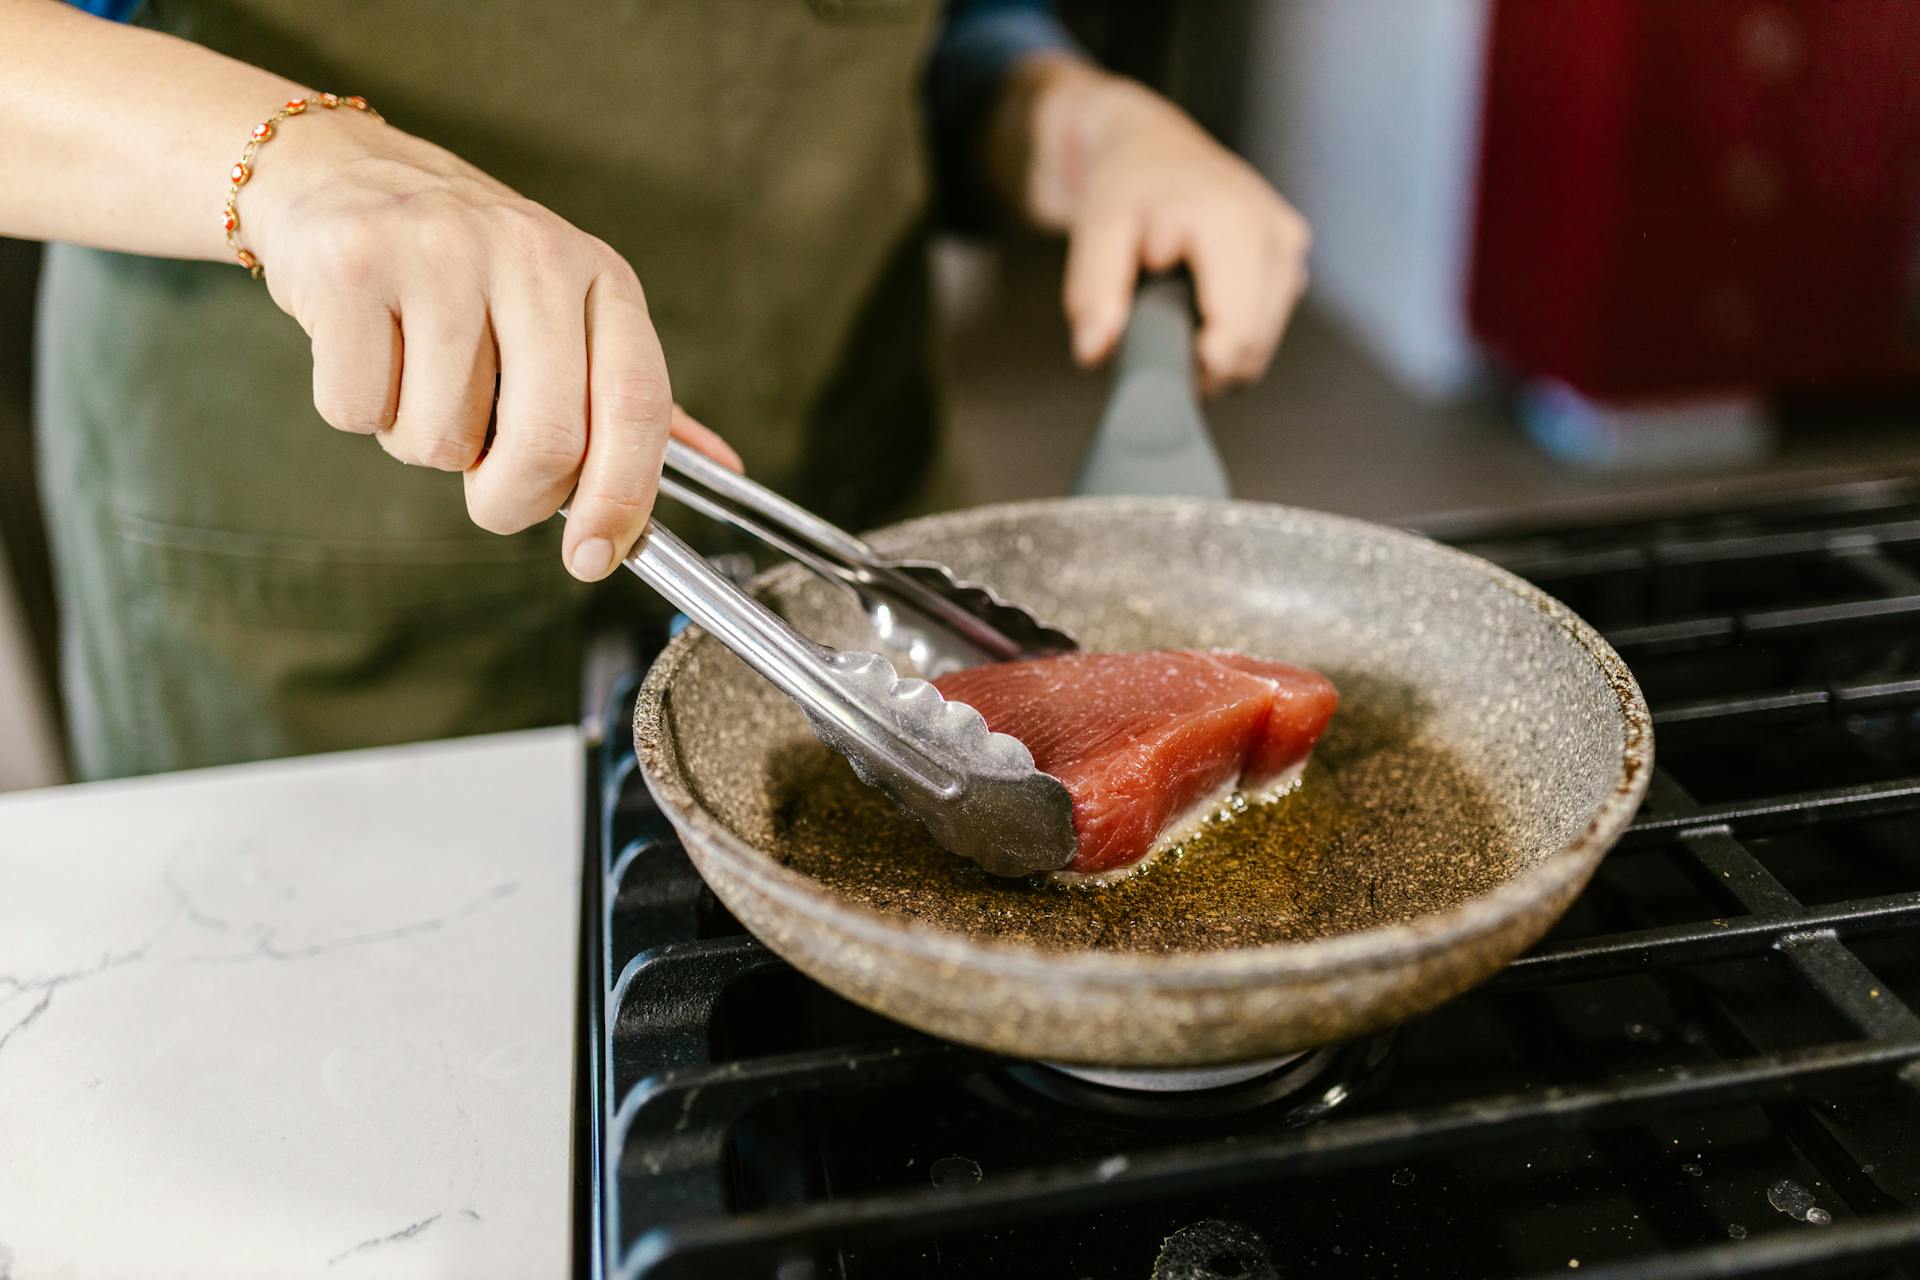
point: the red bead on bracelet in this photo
(261, 133)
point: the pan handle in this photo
(1153, 438)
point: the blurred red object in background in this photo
(1714, 197)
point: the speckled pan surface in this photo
(1488, 750)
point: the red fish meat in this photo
(1150, 743)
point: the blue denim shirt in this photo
(978, 45)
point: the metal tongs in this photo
(977, 791)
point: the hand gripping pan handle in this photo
(1153, 438)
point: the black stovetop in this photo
(1711, 1067)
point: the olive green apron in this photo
(239, 581)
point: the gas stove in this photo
(1711, 1066)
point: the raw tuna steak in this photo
(1150, 743)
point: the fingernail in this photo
(591, 559)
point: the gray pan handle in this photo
(1152, 438)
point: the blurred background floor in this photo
(1328, 428)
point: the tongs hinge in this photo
(917, 608)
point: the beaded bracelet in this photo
(238, 175)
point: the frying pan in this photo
(1489, 748)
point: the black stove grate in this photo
(1711, 1067)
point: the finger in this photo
(446, 382)
(1163, 244)
(1239, 320)
(1103, 258)
(356, 363)
(1293, 238)
(1287, 275)
(1290, 286)
(540, 420)
(689, 430)
(629, 416)
(1287, 241)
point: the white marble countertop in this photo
(309, 1017)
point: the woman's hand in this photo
(421, 281)
(1135, 183)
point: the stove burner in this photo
(1177, 1079)
(1312, 1082)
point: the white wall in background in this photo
(1365, 113)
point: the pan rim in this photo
(1390, 945)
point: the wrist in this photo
(301, 154)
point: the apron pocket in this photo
(248, 646)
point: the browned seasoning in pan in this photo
(1383, 827)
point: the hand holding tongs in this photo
(977, 791)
